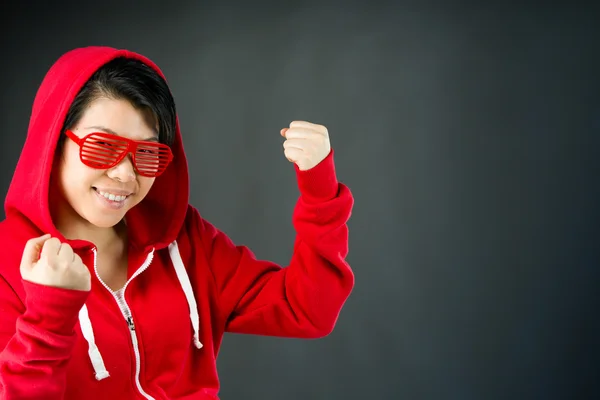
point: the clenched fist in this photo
(306, 144)
(57, 265)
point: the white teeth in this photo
(112, 197)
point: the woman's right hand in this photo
(47, 261)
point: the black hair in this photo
(131, 80)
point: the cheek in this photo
(145, 186)
(74, 176)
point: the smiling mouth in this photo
(111, 196)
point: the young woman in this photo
(111, 285)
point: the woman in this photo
(113, 286)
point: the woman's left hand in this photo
(306, 144)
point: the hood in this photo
(155, 221)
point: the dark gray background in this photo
(469, 136)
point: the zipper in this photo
(126, 311)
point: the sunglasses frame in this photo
(132, 146)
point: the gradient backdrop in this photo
(469, 136)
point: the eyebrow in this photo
(108, 130)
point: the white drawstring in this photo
(88, 332)
(94, 353)
(184, 281)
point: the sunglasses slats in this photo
(151, 157)
(103, 151)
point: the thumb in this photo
(283, 131)
(31, 253)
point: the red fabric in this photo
(43, 353)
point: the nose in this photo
(123, 171)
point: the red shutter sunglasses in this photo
(103, 151)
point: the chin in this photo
(104, 218)
(104, 222)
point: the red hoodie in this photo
(187, 282)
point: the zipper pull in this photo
(130, 323)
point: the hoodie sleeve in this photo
(36, 340)
(304, 298)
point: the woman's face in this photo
(102, 197)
